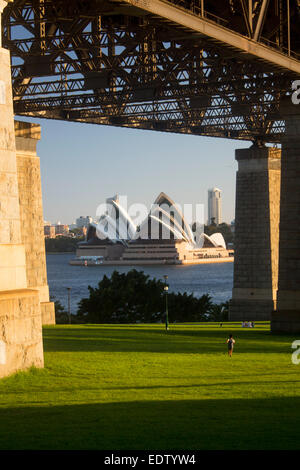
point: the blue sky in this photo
(83, 164)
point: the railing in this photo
(197, 7)
(283, 50)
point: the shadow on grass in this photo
(155, 425)
(176, 340)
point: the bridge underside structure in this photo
(199, 67)
(160, 65)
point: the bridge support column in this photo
(21, 343)
(31, 214)
(256, 234)
(286, 318)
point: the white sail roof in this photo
(164, 218)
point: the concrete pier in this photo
(31, 214)
(286, 318)
(20, 313)
(256, 234)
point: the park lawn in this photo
(134, 387)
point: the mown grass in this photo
(133, 387)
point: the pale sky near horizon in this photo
(83, 164)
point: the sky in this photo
(83, 164)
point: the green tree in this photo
(61, 244)
(219, 312)
(62, 316)
(134, 297)
(187, 308)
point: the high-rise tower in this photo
(214, 206)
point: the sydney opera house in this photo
(163, 237)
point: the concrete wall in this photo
(20, 331)
(256, 234)
(286, 318)
(21, 343)
(12, 270)
(31, 214)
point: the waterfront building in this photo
(49, 231)
(164, 237)
(61, 229)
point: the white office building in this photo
(214, 206)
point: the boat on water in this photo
(87, 260)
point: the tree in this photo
(219, 312)
(133, 297)
(187, 308)
(61, 316)
(60, 244)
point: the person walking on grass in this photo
(230, 343)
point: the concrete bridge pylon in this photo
(286, 317)
(27, 136)
(21, 343)
(256, 233)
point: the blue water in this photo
(214, 279)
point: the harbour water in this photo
(213, 279)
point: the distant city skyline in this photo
(82, 164)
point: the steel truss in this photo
(111, 63)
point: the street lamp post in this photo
(69, 303)
(166, 288)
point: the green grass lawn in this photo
(133, 387)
